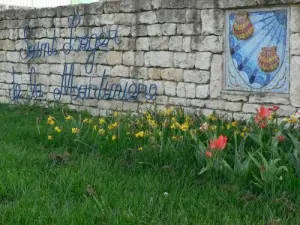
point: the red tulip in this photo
(274, 108)
(281, 138)
(208, 154)
(263, 125)
(218, 144)
(263, 113)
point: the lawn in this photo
(52, 184)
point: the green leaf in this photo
(203, 170)
(254, 160)
(227, 166)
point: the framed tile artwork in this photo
(257, 54)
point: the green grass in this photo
(36, 189)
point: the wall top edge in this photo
(130, 6)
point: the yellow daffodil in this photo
(140, 134)
(234, 124)
(116, 114)
(86, 120)
(50, 137)
(75, 130)
(114, 137)
(148, 117)
(228, 126)
(69, 117)
(112, 126)
(101, 131)
(212, 117)
(173, 126)
(94, 128)
(169, 111)
(101, 121)
(184, 127)
(242, 134)
(57, 129)
(50, 120)
(174, 138)
(152, 123)
(140, 149)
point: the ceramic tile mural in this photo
(257, 50)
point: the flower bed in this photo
(262, 152)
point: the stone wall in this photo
(177, 45)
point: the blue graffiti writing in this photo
(89, 43)
(103, 90)
(41, 49)
(35, 89)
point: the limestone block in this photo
(104, 19)
(133, 58)
(295, 18)
(269, 98)
(215, 104)
(111, 6)
(208, 44)
(125, 18)
(114, 58)
(13, 34)
(295, 44)
(163, 100)
(178, 101)
(139, 72)
(120, 71)
(188, 29)
(159, 59)
(154, 73)
(202, 91)
(193, 15)
(186, 44)
(143, 44)
(242, 116)
(286, 110)
(295, 81)
(172, 74)
(126, 44)
(154, 30)
(216, 76)
(250, 108)
(171, 16)
(186, 90)
(233, 106)
(170, 88)
(139, 30)
(234, 96)
(196, 76)
(197, 102)
(147, 17)
(175, 43)
(184, 60)
(159, 43)
(212, 21)
(46, 22)
(169, 29)
(203, 60)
